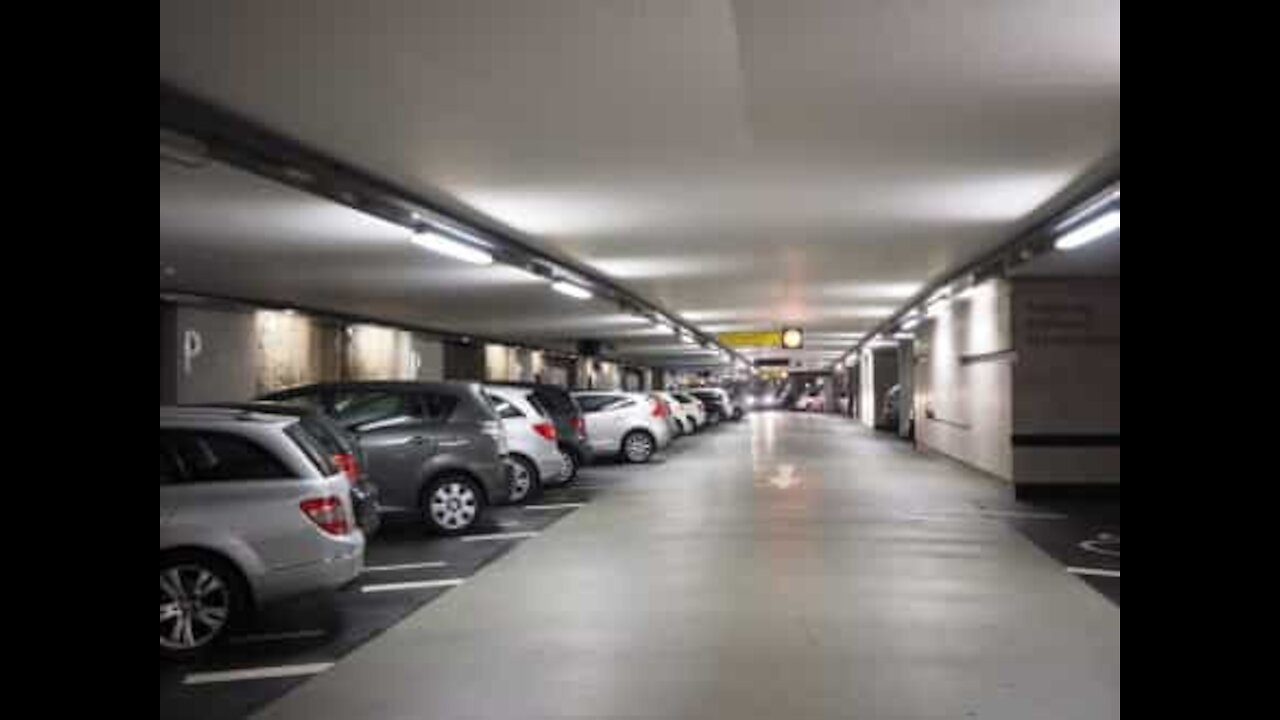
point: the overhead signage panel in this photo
(752, 339)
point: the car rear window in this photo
(503, 407)
(318, 447)
(537, 405)
(559, 403)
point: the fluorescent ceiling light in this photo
(686, 339)
(910, 322)
(1089, 209)
(568, 288)
(1099, 227)
(438, 243)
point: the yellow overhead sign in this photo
(755, 339)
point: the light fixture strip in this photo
(573, 291)
(1099, 227)
(441, 245)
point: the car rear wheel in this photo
(200, 597)
(452, 504)
(638, 446)
(570, 464)
(525, 479)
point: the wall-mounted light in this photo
(437, 243)
(1099, 227)
(573, 291)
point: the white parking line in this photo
(406, 566)
(554, 506)
(414, 585)
(256, 673)
(1093, 571)
(498, 536)
(268, 637)
(509, 523)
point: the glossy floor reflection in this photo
(790, 566)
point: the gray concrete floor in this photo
(791, 566)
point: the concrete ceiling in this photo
(744, 164)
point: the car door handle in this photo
(416, 440)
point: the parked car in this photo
(436, 449)
(718, 403)
(571, 428)
(677, 418)
(253, 509)
(341, 447)
(693, 408)
(531, 441)
(632, 425)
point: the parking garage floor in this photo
(790, 566)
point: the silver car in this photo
(531, 441)
(633, 425)
(252, 510)
(682, 423)
(693, 409)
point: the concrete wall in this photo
(292, 349)
(964, 379)
(1066, 382)
(464, 361)
(213, 354)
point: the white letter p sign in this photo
(192, 344)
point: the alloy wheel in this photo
(453, 505)
(195, 605)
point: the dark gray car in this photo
(435, 449)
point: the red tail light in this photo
(347, 463)
(328, 513)
(579, 425)
(546, 430)
(659, 407)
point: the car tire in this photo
(526, 481)
(202, 597)
(571, 462)
(737, 414)
(638, 446)
(713, 417)
(452, 504)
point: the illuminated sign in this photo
(792, 338)
(758, 339)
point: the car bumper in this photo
(552, 469)
(328, 574)
(365, 501)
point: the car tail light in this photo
(546, 430)
(329, 513)
(579, 426)
(349, 466)
(659, 407)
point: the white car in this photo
(633, 425)
(682, 421)
(693, 408)
(531, 441)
